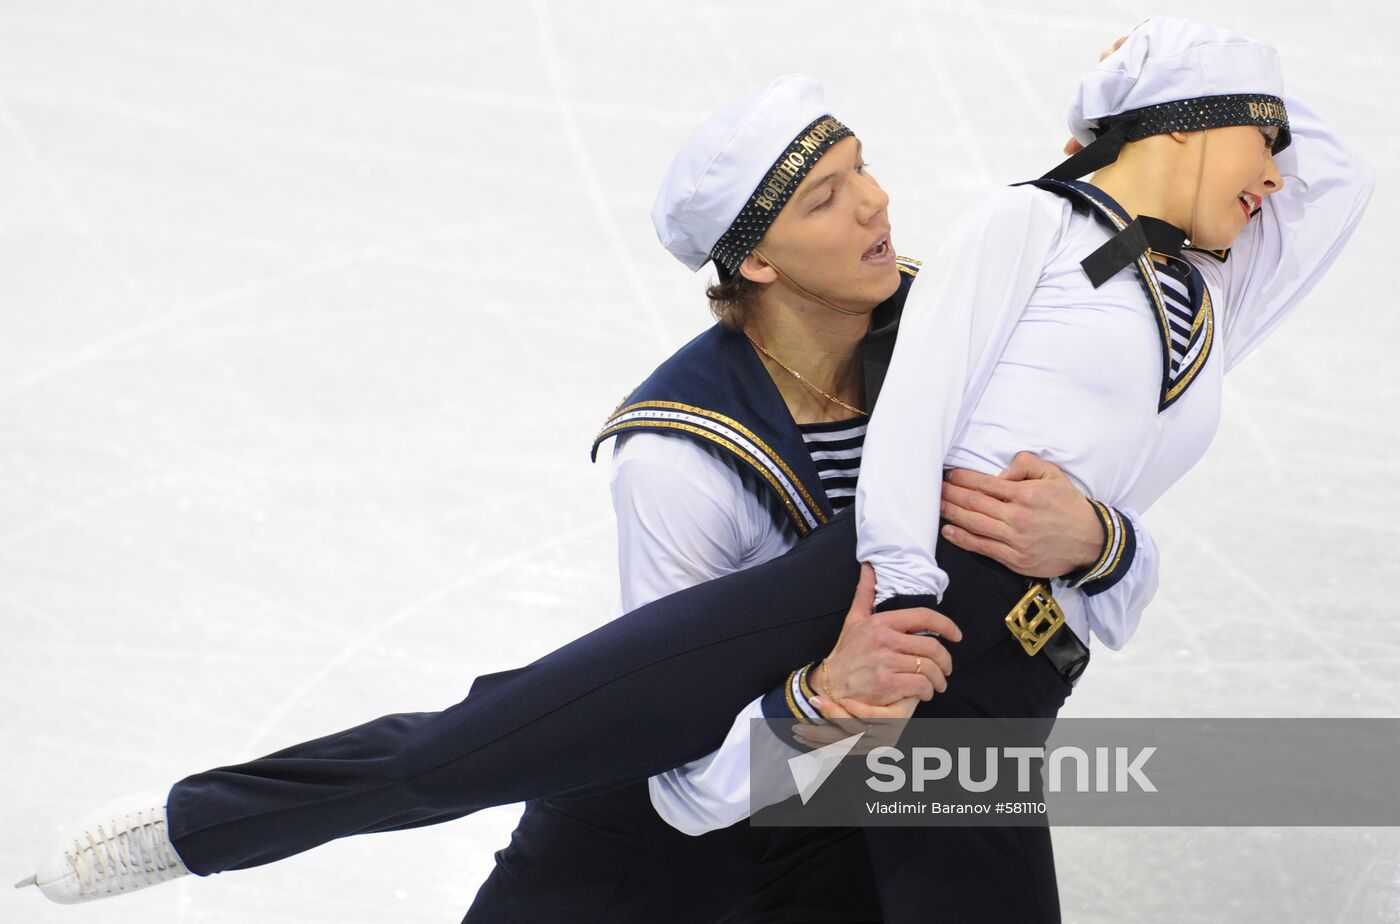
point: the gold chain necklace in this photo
(797, 375)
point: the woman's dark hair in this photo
(730, 301)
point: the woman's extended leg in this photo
(644, 693)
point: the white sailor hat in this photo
(1173, 75)
(739, 168)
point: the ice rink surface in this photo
(308, 314)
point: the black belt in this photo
(1038, 624)
(1067, 654)
(978, 589)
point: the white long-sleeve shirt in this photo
(687, 514)
(1004, 345)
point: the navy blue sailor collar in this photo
(1133, 243)
(716, 389)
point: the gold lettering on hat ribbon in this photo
(793, 162)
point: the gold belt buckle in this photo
(1035, 618)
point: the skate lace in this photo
(125, 857)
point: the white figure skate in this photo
(122, 847)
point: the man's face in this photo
(833, 236)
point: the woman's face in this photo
(833, 236)
(1237, 175)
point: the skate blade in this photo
(31, 881)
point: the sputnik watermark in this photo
(1109, 770)
(1018, 772)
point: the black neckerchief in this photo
(1133, 243)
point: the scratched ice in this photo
(308, 313)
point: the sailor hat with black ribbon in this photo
(738, 170)
(1173, 75)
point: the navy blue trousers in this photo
(614, 707)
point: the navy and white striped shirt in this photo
(835, 447)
